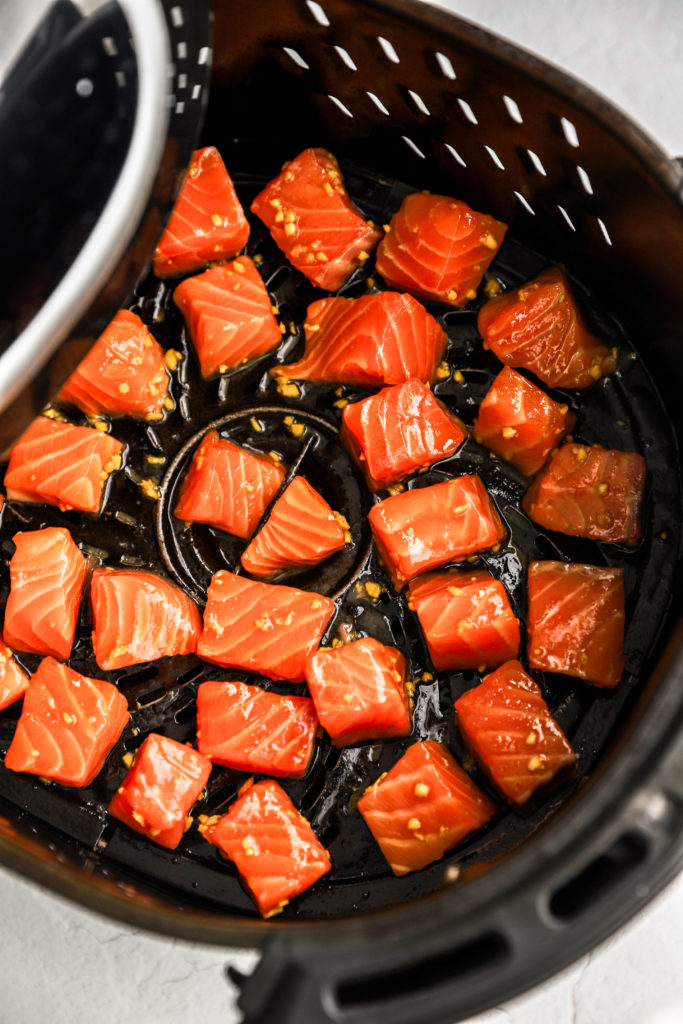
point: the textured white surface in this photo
(67, 966)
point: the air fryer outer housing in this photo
(466, 111)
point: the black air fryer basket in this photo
(411, 98)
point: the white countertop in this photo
(65, 965)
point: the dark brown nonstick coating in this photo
(623, 411)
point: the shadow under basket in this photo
(411, 98)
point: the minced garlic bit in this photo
(534, 763)
(239, 267)
(460, 509)
(456, 591)
(604, 519)
(169, 404)
(348, 698)
(470, 294)
(274, 457)
(150, 489)
(69, 719)
(124, 388)
(256, 425)
(451, 295)
(531, 739)
(443, 371)
(509, 432)
(564, 409)
(414, 824)
(342, 520)
(396, 489)
(216, 219)
(276, 910)
(171, 358)
(288, 389)
(156, 460)
(373, 589)
(98, 424)
(426, 677)
(127, 759)
(580, 454)
(263, 623)
(492, 288)
(489, 242)
(341, 403)
(458, 377)
(363, 256)
(421, 789)
(315, 604)
(155, 416)
(603, 488)
(138, 817)
(293, 427)
(111, 465)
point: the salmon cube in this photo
(359, 691)
(207, 222)
(519, 422)
(123, 374)
(384, 338)
(301, 530)
(438, 248)
(229, 315)
(590, 491)
(245, 728)
(466, 619)
(139, 616)
(538, 326)
(158, 792)
(228, 486)
(575, 622)
(429, 526)
(423, 807)
(63, 465)
(262, 627)
(272, 846)
(47, 572)
(13, 679)
(398, 431)
(508, 727)
(68, 725)
(312, 219)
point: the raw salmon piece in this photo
(123, 374)
(359, 691)
(575, 621)
(138, 616)
(68, 725)
(13, 679)
(508, 727)
(519, 422)
(63, 465)
(311, 218)
(273, 847)
(301, 530)
(438, 248)
(590, 491)
(429, 526)
(398, 431)
(466, 619)
(249, 730)
(371, 341)
(538, 326)
(158, 792)
(229, 315)
(47, 572)
(228, 486)
(207, 222)
(423, 807)
(262, 627)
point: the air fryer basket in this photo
(408, 96)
